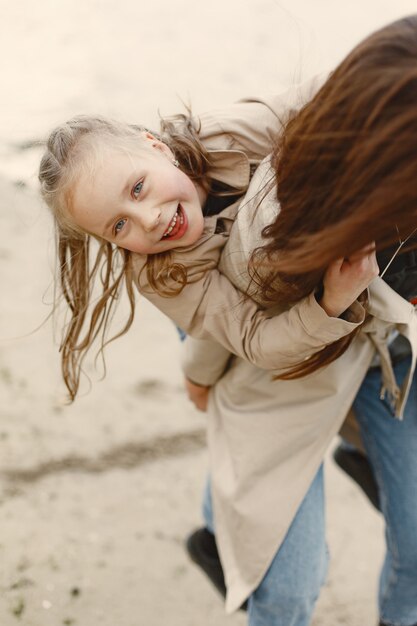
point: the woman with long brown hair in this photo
(346, 169)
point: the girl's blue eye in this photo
(137, 189)
(119, 225)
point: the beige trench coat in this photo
(266, 438)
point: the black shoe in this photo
(202, 549)
(357, 466)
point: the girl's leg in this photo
(391, 447)
(291, 586)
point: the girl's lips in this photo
(180, 227)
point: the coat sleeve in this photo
(204, 361)
(211, 308)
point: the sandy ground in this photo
(96, 498)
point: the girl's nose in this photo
(150, 218)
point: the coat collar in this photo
(231, 167)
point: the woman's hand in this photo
(346, 279)
(198, 394)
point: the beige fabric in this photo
(266, 438)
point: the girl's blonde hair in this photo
(70, 151)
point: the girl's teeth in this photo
(172, 224)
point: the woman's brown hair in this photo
(346, 172)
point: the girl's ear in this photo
(157, 144)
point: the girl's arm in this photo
(212, 308)
(197, 394)
(204, 361)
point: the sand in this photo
(97, 497)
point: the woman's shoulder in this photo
(252, 123)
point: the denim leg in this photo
(391, 447)
(207, 506)
(291, 586)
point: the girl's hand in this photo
(198, 394)
(346, 279)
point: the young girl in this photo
(136, 193)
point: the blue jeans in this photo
(391, 448)
(291, 586)
(288, 592)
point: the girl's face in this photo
(139, 200)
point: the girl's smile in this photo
(139, 199)
(178, 225)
